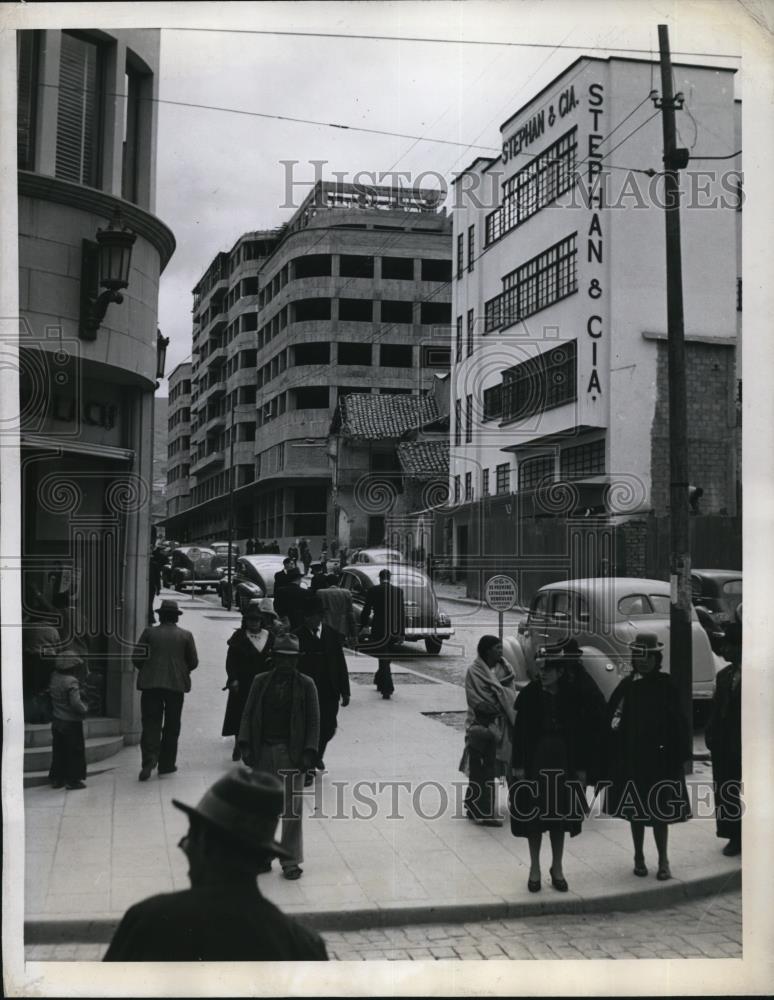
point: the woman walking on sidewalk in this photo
(490, 689)
(249, 649)
(68, 749)
(648, 745)
(550, 763)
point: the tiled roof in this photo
(424, 459)
(375, 417)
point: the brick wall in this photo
(714, 460)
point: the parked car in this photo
(221, 551)
(374, 557)
(253, 577)
(193, 568)
(719, 591)
(603, 614)
(423, 620)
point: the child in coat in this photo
(68, 757)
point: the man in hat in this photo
(289, 601)
(322, 659)
(164, 657)
(282, 578)
(385, 602)
(337, 610)
(723, 736)
(280, 734)
(223, 917)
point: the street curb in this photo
(99, 930)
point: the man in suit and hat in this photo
(223, 917)
(289, 602)
(385, 602)
(164, 657)
(280, 734)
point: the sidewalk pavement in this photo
(385, 840)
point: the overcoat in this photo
(723, 736)
(323, 660)
(243, 663)
(304, 719)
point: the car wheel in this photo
(433, 645)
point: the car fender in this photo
(606, 670)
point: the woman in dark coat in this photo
(723, 735)
(248, 655)
(550, 765)
(648, 743)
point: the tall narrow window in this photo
(458, 422)
(458, 341)
(78, 137)
(470, 332)
(468, 418)
(460, 253)
(132, 84)
(27, 54)
(471, 247)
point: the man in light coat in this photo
(164, 657)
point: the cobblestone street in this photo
(704, 928)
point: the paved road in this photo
(704, 928)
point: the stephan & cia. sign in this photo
(535, 126)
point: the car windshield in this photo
(643, 605)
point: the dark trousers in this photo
(383, 677)
(329, 709)
(480, 794)
(161, 710)
(68, 752)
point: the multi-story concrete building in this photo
(178, 495)
(560, 300)
(352, 295)
(87, 119)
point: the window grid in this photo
(471, 247)
(468, 487)
(458, 341)
(457, 486)
(547, 278)
(460, 253)
(503, 477)
(541, 383)
(534, 470)
(550, 174)
(583, 460)
(493, 402)
(485, 482)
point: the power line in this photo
(442, 41)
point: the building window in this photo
(535, 470)
(311, 309)
(27, 56)
(356, 266)
(470, 332)
(468, 418)
(311, 265)
(436, 357)
(396, 356)
(550, 174)
(458, 341)
(398, 268)
(311, 398)
(538, 283)
(582, 460)
(458, 422)
(542, 383)
(503, 477)
(435, 313)
(457, 489)
(493, 402)
(79, 117)
(354, 354)
(133, 83)
(460, 254)
(738, 294)
(314, 353)
(436, 270)
(468, 487)
(471, 247)
(393, 311)
(485, 482)
(356, 310)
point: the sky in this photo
(220, 174)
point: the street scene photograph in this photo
(374, 510)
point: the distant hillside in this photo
(159, 503)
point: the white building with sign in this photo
(559, 361)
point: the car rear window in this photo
(644, 604)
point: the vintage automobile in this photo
(603, 615)
(193, 569)
(380, 557)
(253, 578)
(423, 620)
(719, 591)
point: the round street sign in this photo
(194, 554)
(500, 593)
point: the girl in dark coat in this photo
(723, 735)
(248, 655)
(648, 743)
(550, 764)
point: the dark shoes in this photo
(168, 770)
(491, 821)
(733, 848)
(640, 868)
(534, 885)
(75, 786)
(292, 873)
(558, 882)
(146, 771)
(57, 784)
(386, 696)
(663, 874)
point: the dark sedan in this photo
(253, 578)
(193, 567)
(423, 620)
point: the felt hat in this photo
(245, 806)
(286, 645)
(168, 606)
(648, 642)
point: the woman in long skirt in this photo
(249, 650)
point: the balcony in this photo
(207, 461)
(215, 423)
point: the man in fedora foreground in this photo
(164, 657)
(223, 917)
(280, 735)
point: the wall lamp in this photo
(104, 264)
(162, 343)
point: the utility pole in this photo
(680, 639)
(231, 501)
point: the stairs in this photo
(103, 739)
